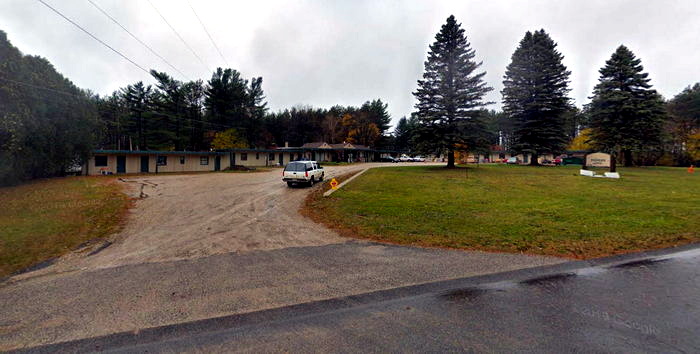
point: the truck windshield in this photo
(295, 167)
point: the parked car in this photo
(302, 172)
(512, 161)
(74, 170)
(388, 159)
(405, 158)
(419, 159)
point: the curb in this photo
(330, 191)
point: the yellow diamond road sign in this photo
(334, 184)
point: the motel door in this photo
(144, 164)
(217, 163)
(121, 164)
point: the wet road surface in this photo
(633, 303)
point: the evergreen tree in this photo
(403, 134)
(535, 96)
(47, 124)
(684, 124)
(226, 98)
(170, 103)
(626, 114)
(256, 107)
(138, 98)
(377, 114)
(450, 94)
(194, 98)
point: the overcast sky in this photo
(322, 53)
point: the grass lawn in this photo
(538, 210)
(46, 218)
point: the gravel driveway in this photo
(206, 245)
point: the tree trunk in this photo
(613, 163)
(533, 160)
(141, 143)
(628, 157)
(450, 158)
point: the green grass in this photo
(538, 210)
(47, 218)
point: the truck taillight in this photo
(307, 173)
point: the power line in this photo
(138, 40)
(95, 38)
(207, 32)
(42, 88)
(179, 36)
(113, 105)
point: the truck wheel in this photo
(311, 181)
(321, 179)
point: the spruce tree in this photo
(626, 114)
(450, 94)
(535, 96)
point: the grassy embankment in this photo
(44, 219)
(537, 210)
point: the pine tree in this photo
(535, 96)
(403, 134)
(684, 124)
(171, 105)
(450, 94)
(138, 98)
(46, 123)
(626, 114)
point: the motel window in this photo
(244, 157)
(272, 157)
(100, 161)
(204, 160)
(182, 160)
(257, 156)
(162, 160)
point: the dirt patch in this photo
(178, 217)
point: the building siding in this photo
(133, 164)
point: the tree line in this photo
(626, 116)
(48, 125)
(225, 112)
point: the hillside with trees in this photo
(47, 124)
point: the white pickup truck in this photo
(302, 172)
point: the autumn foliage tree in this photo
(684, 125)
(228, 139)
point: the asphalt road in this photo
(632, 303)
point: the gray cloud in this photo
(345, 52)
